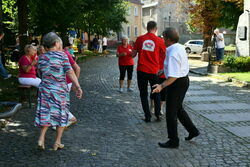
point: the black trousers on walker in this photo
(143, 79)
(174, 109)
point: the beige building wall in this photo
(133, 28)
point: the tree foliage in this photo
(206, 15)
(9, 11)
(93, 16)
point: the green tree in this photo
(206, 15)
(230, 12)
(102, 16)
(23, 23)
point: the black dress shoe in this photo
(191, 136)
(169, 144)
(147, 120)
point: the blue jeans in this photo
(219, 53)
(3, 72)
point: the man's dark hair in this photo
(151, 25)
(171, 34)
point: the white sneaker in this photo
(121, 90)
(8, 76)
(130, 90)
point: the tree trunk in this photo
(23, 23)
(1, 15)
(89, 41)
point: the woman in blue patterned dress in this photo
(53, 96)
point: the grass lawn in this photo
(243, 76)
(230, 48)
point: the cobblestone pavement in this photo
(110, 132)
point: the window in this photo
(192, 42)
(128, 31)
(199, 42)
(146, 12)
(136, 11)
(136, 31)
(129, 10)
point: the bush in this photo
(240, 64)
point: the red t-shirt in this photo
(25, 61)
(162, 59)
(148, 47)
(128, 59)
(72, 62)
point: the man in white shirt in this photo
(219, 44)
(176, 70)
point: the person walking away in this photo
(126, 63)
(3, 71)
(27, 67)
(53, 95)
(148, 47)
(219, 44)
(176, 70)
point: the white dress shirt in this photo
(220, 43)
(176, 61)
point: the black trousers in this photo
(143, 79)
(174, 109)
(123, 70)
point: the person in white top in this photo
(176, 70)
(100, 45)
(219, 44)
(104, 44)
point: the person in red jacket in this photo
(148, 47)
(126, 63)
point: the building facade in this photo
(167, 13)
(133, 28)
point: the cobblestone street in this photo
(110, 132)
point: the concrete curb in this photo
(227, 79)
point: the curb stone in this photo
(228, 79)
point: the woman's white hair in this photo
(216, 30)
(28, 48)
(125, 37)
(50, 39)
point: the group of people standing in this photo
(163, 64)
(99, 44)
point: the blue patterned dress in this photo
(53, 95)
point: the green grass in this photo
(8, 87)
(242, 76)
(230, 48)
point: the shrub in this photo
(240, 64)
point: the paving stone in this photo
(200, 92)
(220, 106)
(234, 117)
(194, 87)
(208, 98)
(241, 131)
(110, 131)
